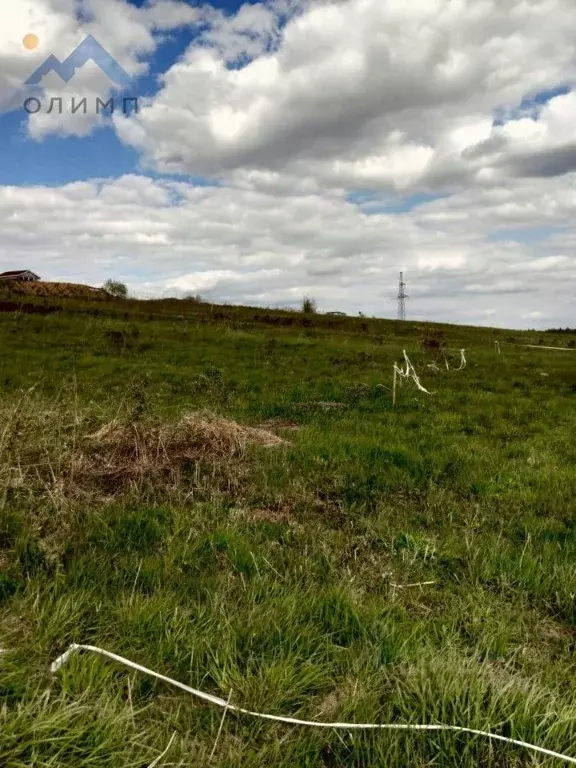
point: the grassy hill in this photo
(228, 496)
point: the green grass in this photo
(272, 574)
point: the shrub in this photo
(116, 289)
(309, 305)
(433, 341)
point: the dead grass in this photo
(54, 290)
(279, 516)
(331, 705)
(127, 452)
(279, 423)
(60, 454)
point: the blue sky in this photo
(372, 203)
(59, 160)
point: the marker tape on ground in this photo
(539, 346)
(61, 660)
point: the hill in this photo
(229, 496)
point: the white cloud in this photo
(296, 107)
(379, 94)
(533, 315)
(245, 245)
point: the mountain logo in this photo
(88, 50)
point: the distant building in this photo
(337, 314)
(21, 275)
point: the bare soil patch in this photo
(280, 424)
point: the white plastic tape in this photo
(294, 721)
(409, 372)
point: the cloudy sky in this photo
(293, 147)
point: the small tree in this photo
(116, 289)
(309, 306)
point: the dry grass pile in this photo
(132, 452)
(54, 290)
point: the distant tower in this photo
(402, 298)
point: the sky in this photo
(300, 147)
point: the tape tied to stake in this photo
(65, 657)
(409, 372)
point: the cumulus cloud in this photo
(364, 93)
(236, 244)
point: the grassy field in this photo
(138, 513)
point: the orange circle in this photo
(30, 42)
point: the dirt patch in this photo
(279, 424)
(130, 452)
(279, 516)
(331, 705)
